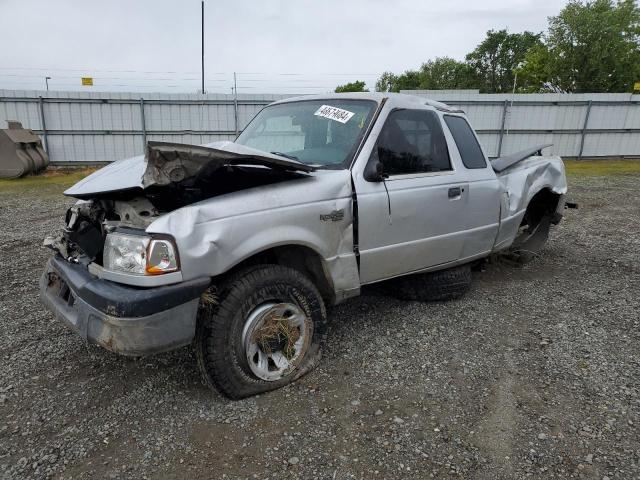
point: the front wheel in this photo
(263, 331)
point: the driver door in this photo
(410, 221)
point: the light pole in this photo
(202, 30)
(235, 101)
(46, 81)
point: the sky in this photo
(275, 46)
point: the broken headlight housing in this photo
(139, 254)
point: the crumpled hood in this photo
(165, 163)
(262, 202)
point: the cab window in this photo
(468, 146)
(412, 141)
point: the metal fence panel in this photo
(94, 148)
(27, 113)
(194, 139)
(490, 143)
(544, 117)
(597, 145)
(578, 125)
(94, 126)
(483, 117)
(615, 116)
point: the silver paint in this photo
(214, 235)
(425, 230)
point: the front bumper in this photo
(123, 319)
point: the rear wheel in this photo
(433, 286)
(264, 331)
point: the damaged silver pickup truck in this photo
(237, 247)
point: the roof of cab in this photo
(396, 100)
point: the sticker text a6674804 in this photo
(334, 113)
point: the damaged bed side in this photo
(533, 196)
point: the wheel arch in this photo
(299, 257)
(543, 203)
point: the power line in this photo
(89, 70)
(85, 70)
(173, 79)
(311, 73)
(291, 82)
(80, 88)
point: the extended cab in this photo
(237, 247)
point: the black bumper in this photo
(126, 320)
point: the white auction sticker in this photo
(334, 113)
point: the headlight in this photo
(139, 254)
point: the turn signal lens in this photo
(161, 257)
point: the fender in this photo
(520, 184)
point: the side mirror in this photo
(374, 171)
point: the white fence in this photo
(99, 127)
(86, 127)
(578, 125)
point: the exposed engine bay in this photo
(174, 176)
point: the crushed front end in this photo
(138, 318)
(118, 285)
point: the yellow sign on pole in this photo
(636, 86)
(87, 81)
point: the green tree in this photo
(389, 82)
(356, 86)
(590, 47)
(496, 58)
(439, 74)
(445, 73)
(409, 80)
(533, 73)
(386, 82)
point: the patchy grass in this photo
(602, 168)
(59, 179)
(51, 181)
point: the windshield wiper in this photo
(286, 155)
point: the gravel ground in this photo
(534, 373)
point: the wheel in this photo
(433, 286)
(530, 239)
(264, 330)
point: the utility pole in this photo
(46, 80)
(202, 28)
(513, 93)
(235, 101)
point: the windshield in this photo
(324, 133)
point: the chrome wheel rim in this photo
(275, 338)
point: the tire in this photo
(531, 239)
(432, 287)
(231, 329)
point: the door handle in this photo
(455, 192)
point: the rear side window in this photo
(412, 141)
(468, 146)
